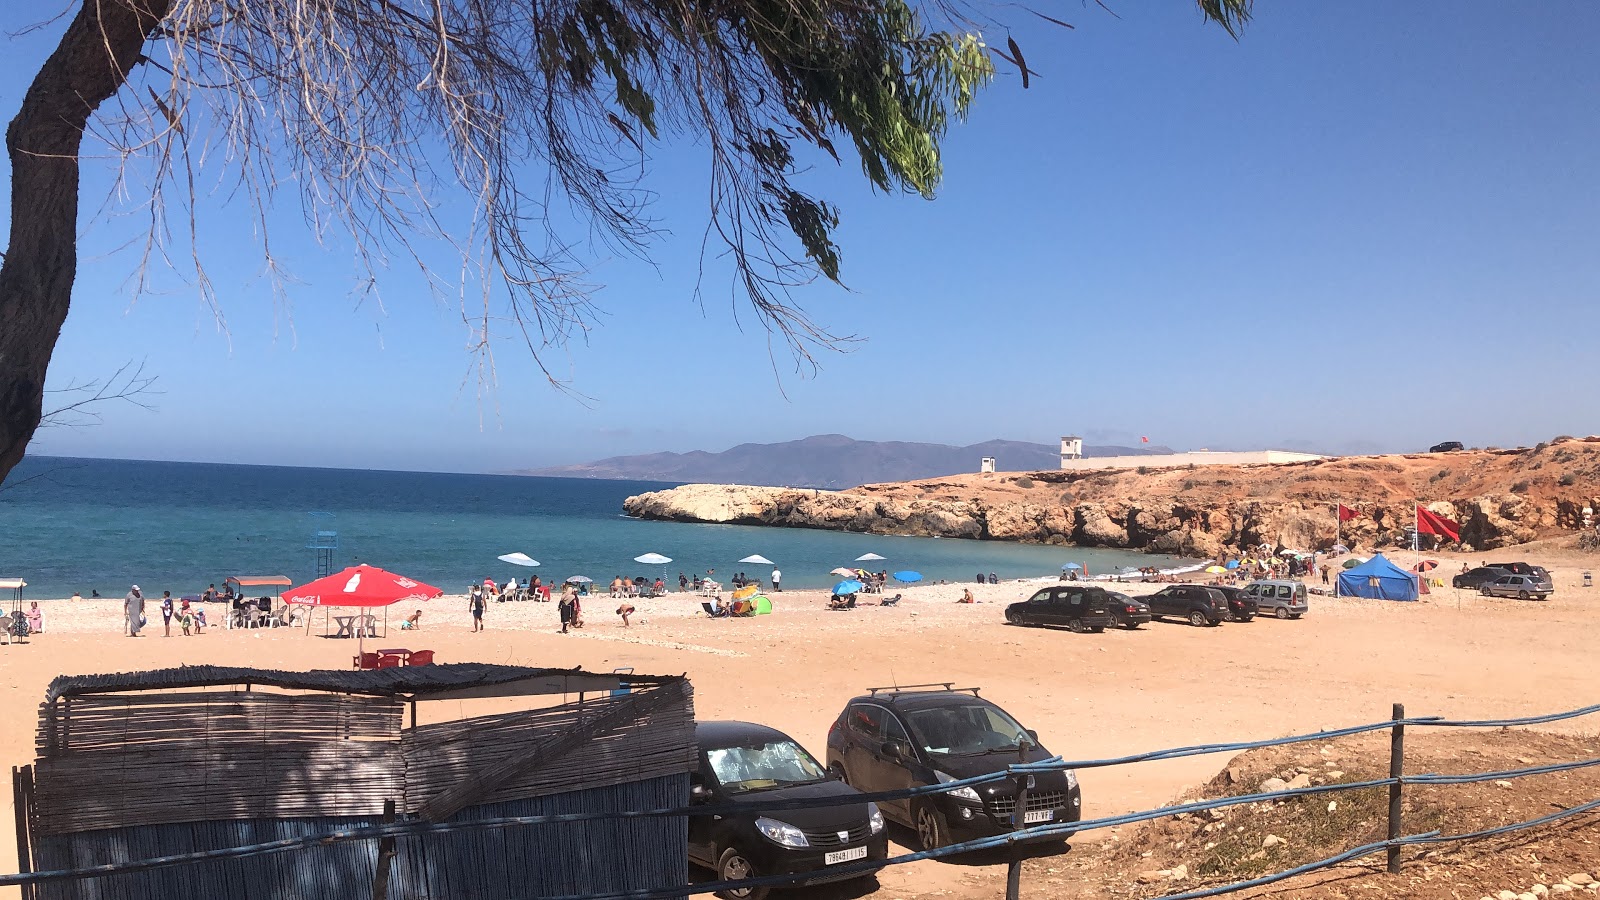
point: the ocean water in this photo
(89, 524)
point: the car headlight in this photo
(965, 793)
(874, 817)
(782, 832)
(1072, 779)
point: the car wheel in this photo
(1117, 621)
(1013, 618)
(932, 831)
(1282, 613)
(1076, 626)
(1484, 590)
(838, 772)
(735, 866)
(1197, 618)
(1522, 595)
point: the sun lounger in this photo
(712, 611)
(892, 601)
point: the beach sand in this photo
(1120, 692)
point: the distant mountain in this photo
(828, 461)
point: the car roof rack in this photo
(910, 688)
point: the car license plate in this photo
(839, 856)
(1038, 815)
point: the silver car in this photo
(1284, 599)
(1522, 587)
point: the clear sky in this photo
(1364, 226)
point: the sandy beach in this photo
(1165, 684)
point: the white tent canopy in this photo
(756, 559)
(652, 559)
(518, 559)
(870, 557)
(14, 584)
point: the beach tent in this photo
(763, 605)
(1378, 579)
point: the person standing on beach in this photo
(475, 603)
(777, 580)
(166, 612)
(133, 609)
(568, 606)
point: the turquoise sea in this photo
(94, 524)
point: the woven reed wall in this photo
(533, 861)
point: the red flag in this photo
(1432, 523)
(1144, 440)
(1346, 513)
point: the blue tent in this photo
(1378, 579)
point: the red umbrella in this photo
(364, 586)
(1426, 565)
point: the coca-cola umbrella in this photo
(361, 586)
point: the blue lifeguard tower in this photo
(324, 542)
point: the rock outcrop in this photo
(1500, 498)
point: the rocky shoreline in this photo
(1500, 498)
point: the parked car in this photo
(1523, 587)
(1476, 578)
(1076, 607)
(1199, 604)
(1284, 599)
(1127, 612)
(903, 737)
(1446, 447)
(1540, 576)
(749, 766)
(1241, 606)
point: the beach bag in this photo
(142, 620)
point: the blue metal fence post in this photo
(1019, 820)
(1397, 754)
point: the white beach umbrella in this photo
(518, 559)
(652, 559)
(870, 557)
(756, 559)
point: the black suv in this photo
(1473, 579)
(1079, 608)
(1446, 447)
(1199, 604)
(903, 737)
(749, 765)
(1241, 606)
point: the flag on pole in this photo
(1346, 513)
(1144, 440)
(1433, 523)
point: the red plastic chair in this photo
(421, 658)
(366, 661)
(388, 661)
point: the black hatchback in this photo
(748, 766)
(1078, 608)
(891, 739)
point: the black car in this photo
(1472, 579)
(1078, 608)
(1540, 576)
(904, 737)
(751, 765)
(1241, 606)
(1127, 612)
(1446, 447)
(1199, 604)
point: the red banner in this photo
(1433, 523)
(1346, 513)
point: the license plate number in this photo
(839, 856)
(1038, 815)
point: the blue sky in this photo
(1367, 226)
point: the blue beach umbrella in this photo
(1071, 566)
(847, 587)
(1231, 564)
(908, 576)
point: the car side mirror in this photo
(699, 793)
(893, 750)
(1032, 736)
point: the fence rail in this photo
(1392, 845)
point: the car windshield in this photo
(763, 766)
(966, 730)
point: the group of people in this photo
(991, 579)
(636, 587)
(191, 618)
(500, 593)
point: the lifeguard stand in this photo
(324, 543)
(1071, 448)
(986, 465)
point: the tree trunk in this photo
(89, 66)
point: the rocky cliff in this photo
(1500, 498)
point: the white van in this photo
(1285, 599)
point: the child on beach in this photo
(625, 610)
(166, 612)
(413, 622)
